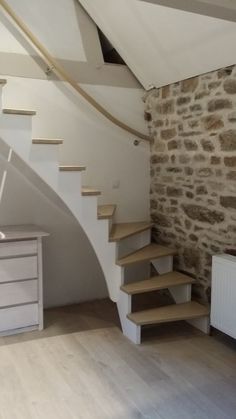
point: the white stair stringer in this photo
(18, 136)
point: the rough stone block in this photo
(165, 108)
(230, 86)
(174, 145)
(231, 175)
(203, 214)
(228, 140)
(207, 145)
(201, 190)
(184, 158)
(188, 171)
(230, 161)
(228, 201)
(215, 160)
(190, 145)
(219, 104)
(168, 134)
(204, 172)
(159, 158)
(183, 100)
(174, 192)
(189, 85)
(213, 122)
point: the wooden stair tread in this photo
(150, 252)
(18, 112)
(123, 230)
(90, 192)
(3, 81)
(170, 313)
(171, 279)
(72, 168)
(106, 211)
(47, 141)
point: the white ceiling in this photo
(162, 45)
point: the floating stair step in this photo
(72, 168)
(147, 253)
(171, 279)
(106, 211)
(46, 141)
(18, 112)
(3, 81)
(90, 192)
(123, 230)
(170, 313)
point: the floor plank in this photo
(82, 367)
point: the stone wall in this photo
(193, 169)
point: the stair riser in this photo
(136, 272)
(70, 183)
(203, 324)
(44, 160)
(1, 95)
(49, 153)
(129, 245)
(129, 329)
(163, 265)
(16, 132)
(89, 208)
(182, 293)
(69, 188)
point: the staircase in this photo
(124, 250)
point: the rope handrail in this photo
(64, 76)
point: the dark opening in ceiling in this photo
(110, 55)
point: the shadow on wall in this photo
(71, 271)
(193, 169)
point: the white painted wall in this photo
(163, 45)
(71, 270)
(54, 23)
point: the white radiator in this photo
(223, 305)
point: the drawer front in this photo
(18, 317)
(18, 268)
(27, 247)
(18, 293)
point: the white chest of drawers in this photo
(21, 279)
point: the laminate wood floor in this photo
(82, 367)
